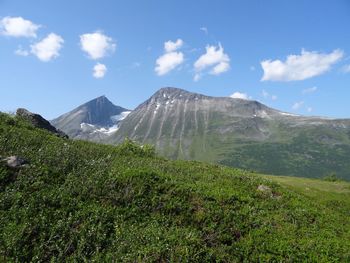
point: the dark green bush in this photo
(332, 177)
(129, 147)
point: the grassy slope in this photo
(335, 195)
(305, 155)
(79, 200)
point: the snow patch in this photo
(263, 114)
(120, 117)
(90, 128)
(157, 107)
(289, 114)
(108, 130)
(86, 127)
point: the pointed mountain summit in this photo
(93, 120)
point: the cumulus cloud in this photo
(220, 68)
(21, 52)
(297, 105)
(48, 48)
(168, 62)
(171, 46)
(309, 90)
(170, 59)
(214, 59)
(99, 70)
(97, 45)
(18, 27)
(240, 95)
(300, 67)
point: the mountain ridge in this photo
(235, 132)
(240, 133)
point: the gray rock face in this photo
(15, 162)
(38, 121)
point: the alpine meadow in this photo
(174, 131)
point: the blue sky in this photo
(290, 55)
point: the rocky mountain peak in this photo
(170, 93)
(95, 118)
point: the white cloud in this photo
(239, 95)
(220, 68)
(297, 105)
(267, 95)
(204, 29)
(21, 52)
(171, 46)
(309, 109)
(48, 48)
(136, 65)
(346, 69)
(97, 45)
(197, 77)
(300, 67)
(309, 90)
(99, 70)
(18, 27)
(168, 62)
(214, 58)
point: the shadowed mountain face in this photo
(93, 120)
(241, 133)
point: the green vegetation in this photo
(80, 201)
(305, 155)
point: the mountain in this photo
(94, 120)
(69, 201)
(239, 133)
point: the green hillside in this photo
(80, 201)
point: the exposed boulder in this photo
(39, 122)
(264, 189)
(15, 162)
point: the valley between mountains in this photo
(234, 132)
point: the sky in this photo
(290, 55)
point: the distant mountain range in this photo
(234, 132)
